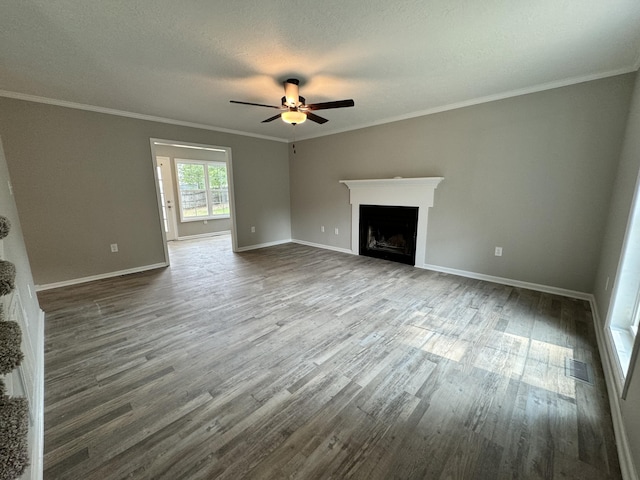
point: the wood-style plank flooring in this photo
(295, 362)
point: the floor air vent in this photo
(579, 370)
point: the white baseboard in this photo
(478, 276)
(205, 235)
(326, 247)
(262, 245)
(37, 448)
(508, 281)
(625, 457)
(77, 281)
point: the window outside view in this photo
(204, 189)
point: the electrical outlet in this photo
(322, 228)
(253, 229)
(337, 231)
(114, 247)
(498, 251)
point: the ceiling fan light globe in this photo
(293, 117)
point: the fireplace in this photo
(389, 232)
(406, 192)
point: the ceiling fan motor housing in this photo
(301, 102)
(291, 93)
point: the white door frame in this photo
(232, 205)
(170, 202)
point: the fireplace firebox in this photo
(389, 232)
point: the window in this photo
(204, 189)
(624, 312)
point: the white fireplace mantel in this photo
(401, 192)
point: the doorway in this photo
(194, 187)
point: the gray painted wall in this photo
(619, 210)
(532, 174)
(84, 180)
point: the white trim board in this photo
(262, 245)
(37, 449)
(508, 281)
(478, 276)
(625, 457)
(480, 100)
(442, 108)
(325, 247)
(119, 273)
(205, 235)
(139, 116)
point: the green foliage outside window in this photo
(200, 198)
(191, 176)
(217, 176)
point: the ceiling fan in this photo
(294, 110)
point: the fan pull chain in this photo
(293, 145)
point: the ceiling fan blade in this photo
(271, 119)
(316, 118)
(328, 105)
(255, 104)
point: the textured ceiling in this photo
(185, 60)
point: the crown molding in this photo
(489, 98)
(138, 116)
(421, 113)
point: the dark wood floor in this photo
(294, 362)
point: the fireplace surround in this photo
(400, 192)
